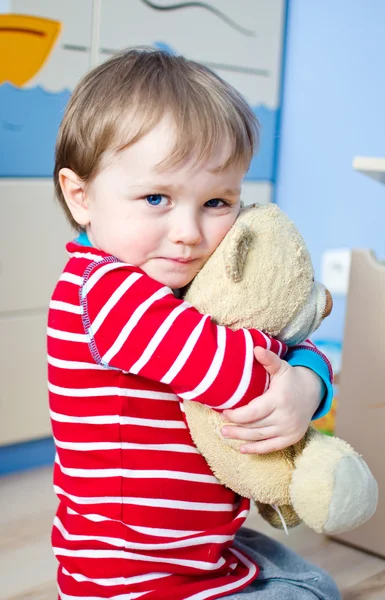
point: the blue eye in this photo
(215, 203)
(155, 199)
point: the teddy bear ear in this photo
(236, 252)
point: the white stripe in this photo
(121, 543)
(117, 419)
(73, 364)
(113, 300)
(113, 581)
(235, 585)
(246, 375)
(76, 309)
(67, 335)
(150, 502)
(89, 284)
(129, 596)
(133, 321)
(185, 352)
(280, 348)
(137, 474)
(90, 446)
(156, 423)
(97, 420)
(98, 392)
(83, 392)
(85, 553)
(214, 369)
(71, 278)
(268, 340)
(243, 514)
(158, 337)
(150, 531)
(157, 532)
(88, 255)
(149, 394)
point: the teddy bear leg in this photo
(332, 488)
(272, 516)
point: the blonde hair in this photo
(121, 100)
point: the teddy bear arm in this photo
(264, 478)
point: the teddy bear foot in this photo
(335, 493)
(273, 516)
(354, 498)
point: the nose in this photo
(185, 229)
(328, 304)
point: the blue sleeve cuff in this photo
(303, 357)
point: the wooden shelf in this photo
(370, 166)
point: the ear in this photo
(73, 188)
(237, 250)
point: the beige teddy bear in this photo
(261, 276)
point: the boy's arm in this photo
(281, 416)
(136, 325)
(309, 356)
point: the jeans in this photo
(283, 574)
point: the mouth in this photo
(182, 261)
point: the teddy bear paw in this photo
(354, 498)
(332, 488)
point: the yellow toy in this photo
(261, 276)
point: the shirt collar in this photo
(83, 239)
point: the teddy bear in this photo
(261, 276)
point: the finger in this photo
(265, 446)
(249, 434)
(270, 361)
(256, 410)
(270, 421)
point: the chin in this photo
(174, 281)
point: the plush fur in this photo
(261, 276)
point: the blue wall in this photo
(333, 109)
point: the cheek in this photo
(99, 211)
(219, 229)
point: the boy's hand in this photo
(281, 416)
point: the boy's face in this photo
(165, 221)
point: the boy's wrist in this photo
(315, 386)
(318, 364)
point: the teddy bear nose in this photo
(328, 304)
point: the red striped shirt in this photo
(140, 513)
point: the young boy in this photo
(149, 163)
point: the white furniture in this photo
(361, 404)
(33, 233)
(373, 167)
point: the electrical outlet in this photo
(335, 270)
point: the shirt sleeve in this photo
(136, 325)
(308, 355)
